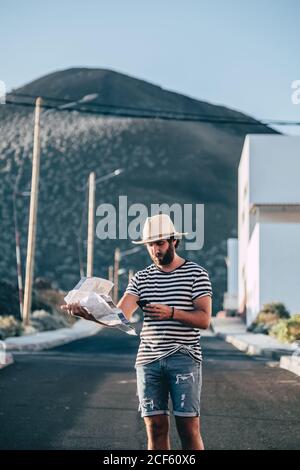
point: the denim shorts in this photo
(177, 376)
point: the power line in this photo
(143, 113)
(76, 102)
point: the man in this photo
(169, 358)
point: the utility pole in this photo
(111, 274)
(18, 249)
(116, 275)
(32, 214)
(130, 274)
(91, 216)
(91, 225)
(18, 258)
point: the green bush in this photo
(268, 317)
(287, 331)
(272, 311)
(43, 321)
(9, 326)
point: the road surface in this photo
(83, 396)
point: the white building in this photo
(231, 296)
(269, 223)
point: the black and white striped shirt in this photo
(177, 288)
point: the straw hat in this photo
(158, 227)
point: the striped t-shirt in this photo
(177, 288)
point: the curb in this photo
(7, 360)
(286, 360)
(291, 363)
(49, 339)
(252, 349)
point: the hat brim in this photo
(156, 239)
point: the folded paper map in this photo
(93, 294)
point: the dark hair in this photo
(176, 239)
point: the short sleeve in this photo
(201, 285)
(133, 286)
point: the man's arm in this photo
(198, 318)
(128, 304)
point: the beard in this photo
(167, 258)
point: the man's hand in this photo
(158, 311)
(76, 309)
(197, 318)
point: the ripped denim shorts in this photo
(177, 376)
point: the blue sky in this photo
(242, 54)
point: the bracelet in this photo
(172, 314)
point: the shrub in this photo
(271, 311)
(43, 321)
(9, 326)
(268, 317)
(287, 331)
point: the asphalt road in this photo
(83, 396)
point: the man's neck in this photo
(177, 261)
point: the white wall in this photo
(273, 267)
(269, 173)
(280, 264)
(274, 166)
(243, 220)
(230, 301)
(232, 266)
(253, 275)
